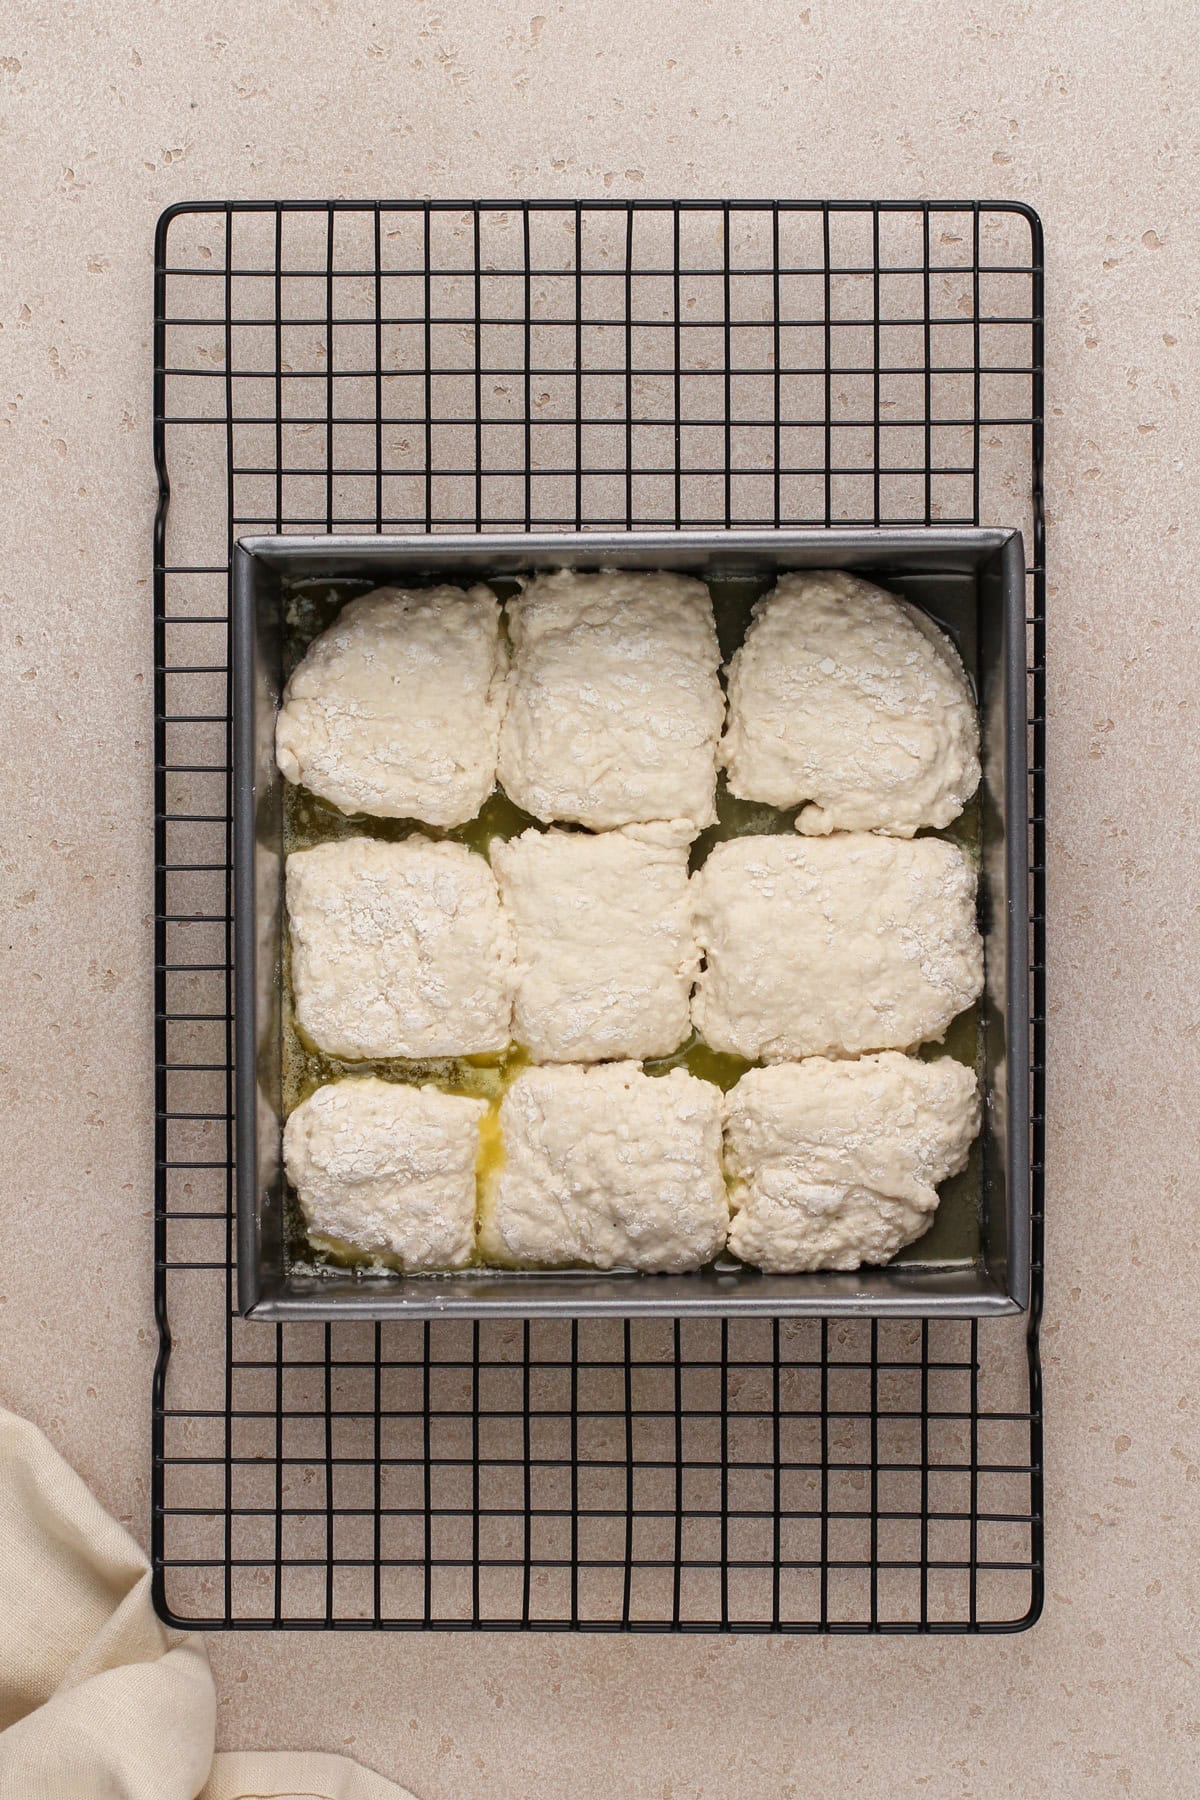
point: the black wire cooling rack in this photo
(360, 366)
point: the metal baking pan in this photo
(973, 583)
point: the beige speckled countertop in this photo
(109, 113)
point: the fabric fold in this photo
(99, 1700)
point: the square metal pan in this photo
(973, 583)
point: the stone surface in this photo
(112, 112)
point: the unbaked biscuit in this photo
(606, 1167)
(835, 1164)
(396, 709)
(852, 700)
(386, 1169)
(605, 941)
(399, 949)
(615, 707)
(832, 946)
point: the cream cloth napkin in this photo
(98, 1699)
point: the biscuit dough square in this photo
(606, 1167)
(605, 942)
(850, 699)
(399, 949)
(836, 1164)
(395, 710)
(387, 1169)
(615, 707)
(833, 946)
